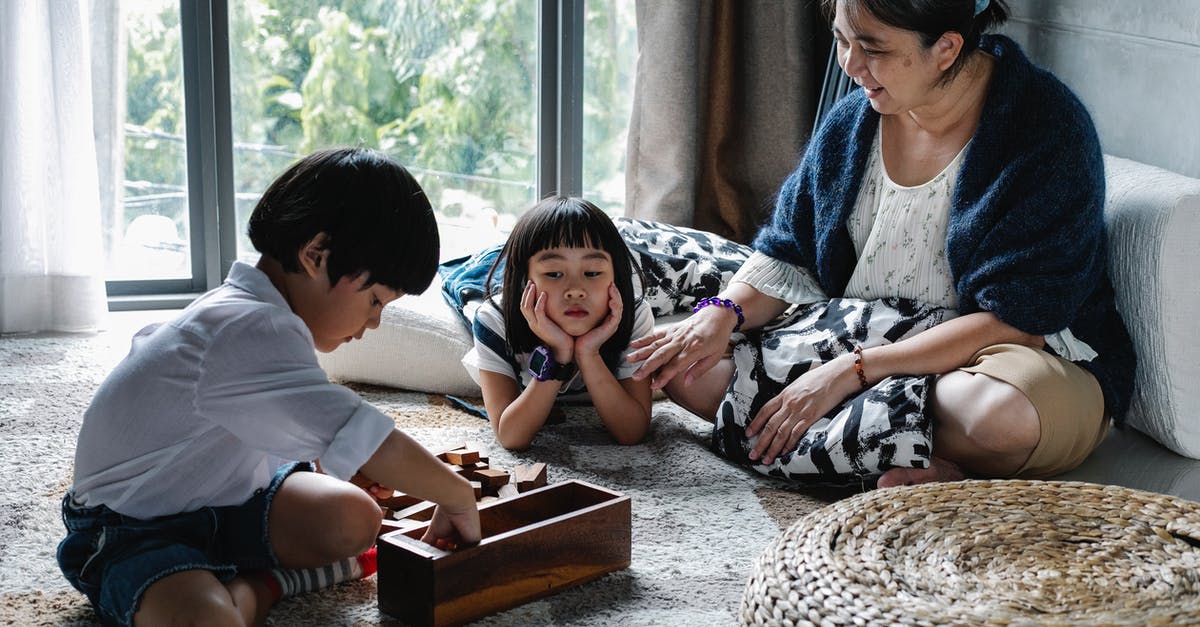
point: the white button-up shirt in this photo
(203, 409)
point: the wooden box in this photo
(534, 544)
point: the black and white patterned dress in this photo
(883, 426)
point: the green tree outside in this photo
(448, 87)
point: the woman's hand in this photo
(589, 343)
(692, 346)
(785, 419)
(533, 307)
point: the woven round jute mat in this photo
(984, 552)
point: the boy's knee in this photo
(358, 517)
(191, 598)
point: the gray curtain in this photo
(723, 102)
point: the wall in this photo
(1134, 63)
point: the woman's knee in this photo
(987, 414)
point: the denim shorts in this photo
(113, 558)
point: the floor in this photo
(1126, 458)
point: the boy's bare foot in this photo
(939, 470)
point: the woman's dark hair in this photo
(375, 214)
(929, 19)
(568, 222)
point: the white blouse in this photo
(899, 234)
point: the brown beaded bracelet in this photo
(858, 367)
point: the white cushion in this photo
(417, 347)
(1153, 219)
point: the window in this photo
(147, 236)
(490, 103)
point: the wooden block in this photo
(478, 487)
(530, 477)
(406, 524)
(490, 477)
(534, 544)
(421, 511)
(462, 456)
(468, 468)
(399, 500)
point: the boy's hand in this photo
(372, 487)
(450, 530)
(533, 307)
(590, 342)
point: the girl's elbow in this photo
(633, 436)
(630, 440)
(511, 443)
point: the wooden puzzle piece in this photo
(399, 500)
(402, 525)
(420, 511)
(462, 456)
(529, 477)
(490, 477)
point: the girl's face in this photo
(575, 281)
(894, 70)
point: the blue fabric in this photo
(463, 278)
(113, 558)
(1026, 236)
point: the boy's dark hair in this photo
(568, 222)
(929, 19)
(375, 214)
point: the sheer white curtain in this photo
(50, 244)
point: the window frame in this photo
(204, 26)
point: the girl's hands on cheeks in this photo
(785, 419)
(690, 347)
(590, 342)
(533, 307)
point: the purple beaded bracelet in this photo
(722, 302)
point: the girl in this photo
(561, 325)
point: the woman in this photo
(959, 175)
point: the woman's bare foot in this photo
(939, 470)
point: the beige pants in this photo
(1068, 400)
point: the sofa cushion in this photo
(1153, 219)
(418, 346)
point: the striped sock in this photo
(285, 583)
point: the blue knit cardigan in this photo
(1025, 238)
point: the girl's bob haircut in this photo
(567, 222)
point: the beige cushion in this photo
(1153, 219)
(417, 347)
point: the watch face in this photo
(543, 367)
(541, 364)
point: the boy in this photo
(192, 472)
